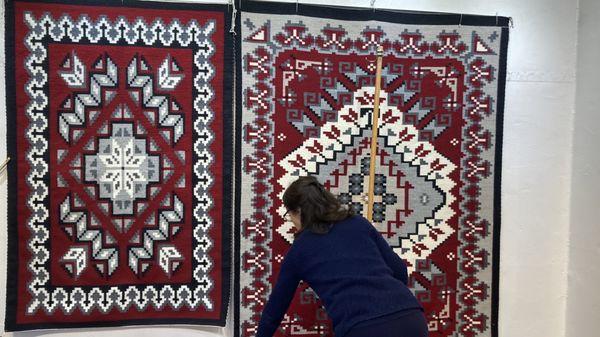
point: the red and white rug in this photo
(120, 131)
(306, 88)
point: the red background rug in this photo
(120, 195)
(307, 90)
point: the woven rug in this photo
(306, 86)
(120, 132)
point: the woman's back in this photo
(353, 271)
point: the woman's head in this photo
(312, 207)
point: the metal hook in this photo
(297, 6)
(373, 5)
(496, 18)
(460, 22)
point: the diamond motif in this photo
(344, 165)
(122, 168)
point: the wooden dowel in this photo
(374, 134)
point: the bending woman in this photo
(345, 260)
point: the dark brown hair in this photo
(318, 207)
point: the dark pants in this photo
(406, 323)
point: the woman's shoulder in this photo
(360, 223)
(353, 220)
(357, 219)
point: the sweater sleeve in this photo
(392, 259)
(280, 298)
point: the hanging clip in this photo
(4, 164)
(460, 22)
(297, 6)
(373, 5)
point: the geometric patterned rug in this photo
(120, 130)
(306, 86)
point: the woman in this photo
(353, 270)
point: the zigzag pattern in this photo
(151, 237)
(75, 78)
(119, 30)
(151, 100)
(93, 237)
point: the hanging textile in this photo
(306, 84)
(120, 130)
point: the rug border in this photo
(238, 150)
(11, 169)
(405, 17)
(10, 323)
(361, 14)
(498, 180)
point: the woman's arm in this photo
(280, 298)
(391, 258)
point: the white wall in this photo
(536, 165)
(583, 304)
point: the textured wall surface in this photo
(583, 301)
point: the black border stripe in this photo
(498, 181)
(238, 165)
(11, 144)
(13, 263)
(149, 4)
(227, 120)
(366, 14)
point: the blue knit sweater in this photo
(352, 269)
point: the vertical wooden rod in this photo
(374, 134)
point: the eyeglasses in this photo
(286, 215)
